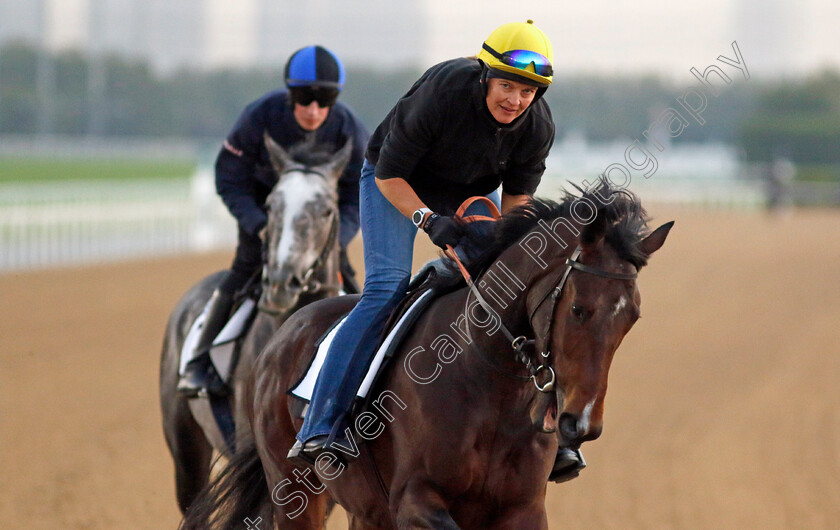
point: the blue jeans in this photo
(388, 238)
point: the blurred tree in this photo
(606, 108)
(135, 100)
(797, 120)
(373, 93)
(70, 78)
(18, 96)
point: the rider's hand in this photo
(443, 230)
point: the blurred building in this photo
(209, 34)
(774, 27)
(776, 36)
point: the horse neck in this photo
(519, 278)
(517, 283)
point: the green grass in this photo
(22, 169)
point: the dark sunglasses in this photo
(522, 59)
(325, 97)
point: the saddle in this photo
(435, 279)
(225, 351)
(225, 355)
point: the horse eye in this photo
(578, 311)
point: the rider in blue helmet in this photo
(308, 111)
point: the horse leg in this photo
(525, 518)
(420, 506)
(355, 523)
(299, 509)
(190, 450)
(299, 500)
(191, 453)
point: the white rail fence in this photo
(72, 223)
(68, 223)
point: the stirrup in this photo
(200, 379)
(195, 376)
(306, 454)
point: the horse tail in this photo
(238, 492)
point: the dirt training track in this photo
(723, 409)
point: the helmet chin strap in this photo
(483, 80)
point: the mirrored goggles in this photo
(522, 59)
(325, 97)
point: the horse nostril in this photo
(294, 283)
(569, 426)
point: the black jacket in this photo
(245, 177)
(443, 140)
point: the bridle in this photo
(308, 285)
(522, 346)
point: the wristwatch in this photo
(418, 216)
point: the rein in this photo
(325, 252)
(534, 365)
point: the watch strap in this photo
(430, 221)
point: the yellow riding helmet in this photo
(521, 49)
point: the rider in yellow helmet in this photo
(466, 127)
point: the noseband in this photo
(522, 346)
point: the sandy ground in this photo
(723, 409)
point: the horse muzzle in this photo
(575, 429)
(278, 298)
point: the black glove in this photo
(348, 275)
(443, 230)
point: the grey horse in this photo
(301, 266)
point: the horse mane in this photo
(622, 223)
(310, 155)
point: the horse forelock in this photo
(622, 223)
(300, 185)
(620, 220)
(310, 156)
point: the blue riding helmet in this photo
(314, 66)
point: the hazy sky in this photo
(776, 37)
(668, 37)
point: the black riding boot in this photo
(348, 274)
(199, 374)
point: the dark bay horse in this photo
(463, 430)
(301, 267)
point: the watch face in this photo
(417, 217)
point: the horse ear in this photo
(279, 157)
(656, 239)
(341, 158)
